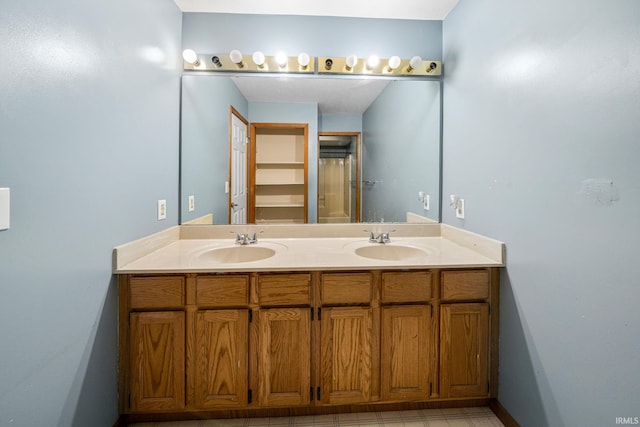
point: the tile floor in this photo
(455, 417)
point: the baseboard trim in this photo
(503, 415)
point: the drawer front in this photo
(346, 288)
(156, 292)
(399, 287)
(284, 289)
(465, 285)
(222, 291)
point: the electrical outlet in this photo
(192, 203)
(460, 209)
(162, 209)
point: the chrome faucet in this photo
(379, 238)
(245, 239)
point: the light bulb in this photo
(281, 59)
(394, 62)
(414, 62)
(236, 57)
(190, 57)
(303, 59)
(352, 60)
(258, 58)
(373, 62)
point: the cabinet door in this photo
(284, 366)
(464, 332)
(157, 361)
(406, 350)
(221, 351)
(346, 360)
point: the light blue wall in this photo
(340, 123)
(317, 35)
(89, 117)
(273, 112)
(205, 144)
(540, 96)
(401, 152)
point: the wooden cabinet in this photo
(279, 173)
(202, 343)
(465, 333)
(406, 338)
(346, 334)
(156, 343)
(284, 339)
(157, 361)
(221, 358)
(346, 355)
(284, 368)
(406, 356)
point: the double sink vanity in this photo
(255, 320)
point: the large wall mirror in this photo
(387, 130)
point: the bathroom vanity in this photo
(310, 319)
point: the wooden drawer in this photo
(399, 287)
(284, 289)
(345, 288)
(465, 285)
(222, 291)
(156, 292)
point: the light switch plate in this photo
(192, 203)
(4, 208)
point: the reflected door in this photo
(338, 177)
(238, 172)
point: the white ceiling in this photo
(391, 9)
(334, 96)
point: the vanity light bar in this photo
(246, 63)
(257, 62)
(335, 65)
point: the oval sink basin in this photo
(237, 254)
(391, 252)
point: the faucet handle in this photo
(372, 237)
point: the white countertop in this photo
(184, 249)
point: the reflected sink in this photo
(237, 254)
(389, 252)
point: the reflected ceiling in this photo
(334, 96)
